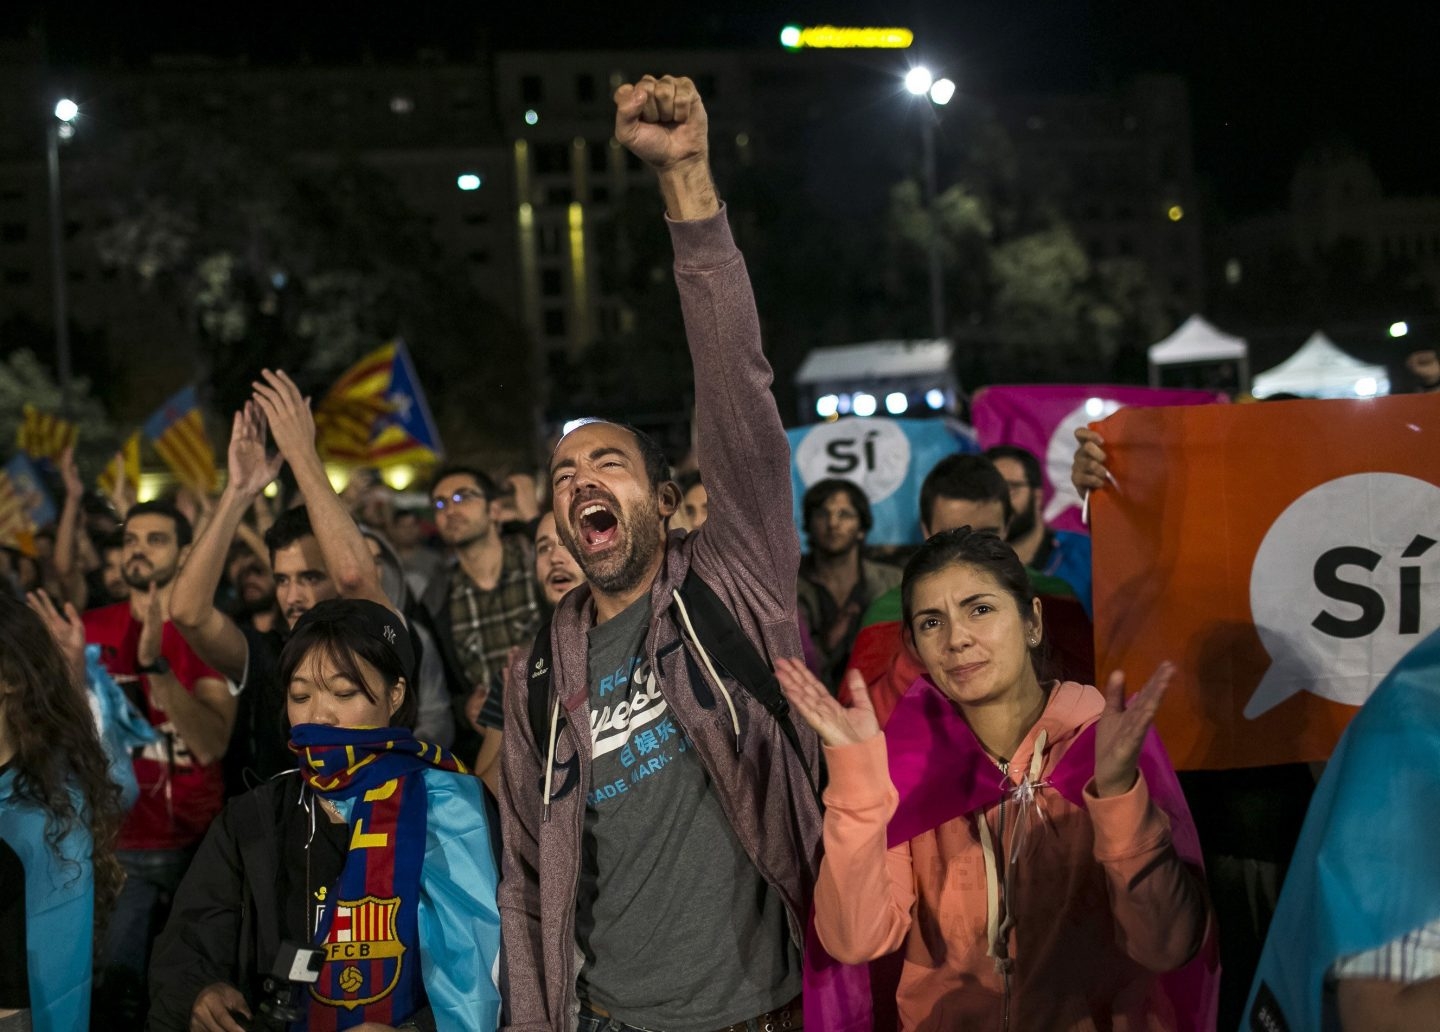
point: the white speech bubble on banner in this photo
(1346, 581)
(874, 453)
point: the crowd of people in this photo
(322, 762)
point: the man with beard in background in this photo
(1055, 553)
(181, 787)
(253, 588)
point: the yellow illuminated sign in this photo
(831, 37)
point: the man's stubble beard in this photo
(1023, 523)
(614, 577)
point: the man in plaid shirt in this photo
(487, 601)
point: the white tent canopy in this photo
(876, 360)
(1197, 341)
(1321, 370)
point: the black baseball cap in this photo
(372, 620)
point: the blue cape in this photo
(59, 912)
(1364, 871)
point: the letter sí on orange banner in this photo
(1285, 555)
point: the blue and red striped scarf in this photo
(369, 927)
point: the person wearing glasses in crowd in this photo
(486, 602)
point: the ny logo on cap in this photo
(390, 634)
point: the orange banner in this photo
(1283, 554)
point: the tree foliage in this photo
(1022, 298)
(24, 380)
(264, 261)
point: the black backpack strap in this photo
(537, 686)
(727, 645)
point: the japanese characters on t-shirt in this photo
(660, 863)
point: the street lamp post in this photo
(65, 113)
(920, 83)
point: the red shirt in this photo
(178, 797)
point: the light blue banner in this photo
(889, 458)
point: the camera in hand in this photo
(295, 968)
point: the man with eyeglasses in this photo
(486, 602)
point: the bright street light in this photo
(1399, 329)
(468, 181)
(864, 404)
(827, 405)
(941, 91)
(896, 403)
(66, 110)
(918, 80)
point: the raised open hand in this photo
(66, 628)
(662, 122)
(70, 474)
(834, 723)
(123, 496)
(287, 412)
(1121, 729)
(250, 469)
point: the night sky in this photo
(1268, 79)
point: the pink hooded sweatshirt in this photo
(1033, 913)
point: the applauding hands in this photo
(835, 724)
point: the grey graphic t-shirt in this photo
(677, 927)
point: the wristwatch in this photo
(160, 666)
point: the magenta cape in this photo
(941, 772)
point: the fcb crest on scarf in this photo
(363, 951)
(370, 924)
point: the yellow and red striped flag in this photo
(376, 413)
(126, 462)
(17, 530)
(43, 435)
(177, 431)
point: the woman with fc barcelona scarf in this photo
(376, 853)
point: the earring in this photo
(1034, 642)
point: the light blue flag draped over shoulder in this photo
(1364, 872)
(888, 458)
(121, 726)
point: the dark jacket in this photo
(748, 553)
(209, 938)
(225, 924)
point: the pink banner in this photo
(1043, 419)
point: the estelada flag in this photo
(1284, 555)
(43, 435)
(125, 463)
(177, 431)
(1043, 419)
(376, 413)
(25, 505)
